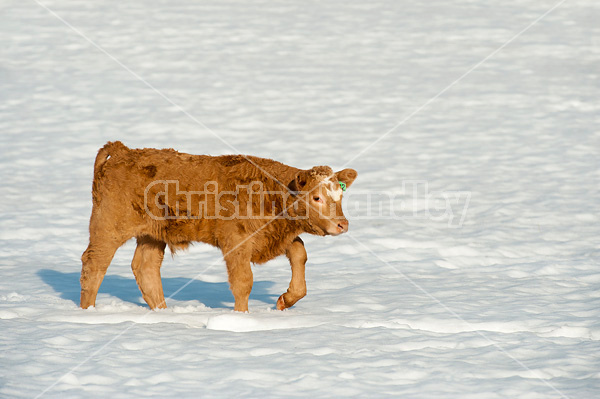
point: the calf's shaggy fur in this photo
(253, 209)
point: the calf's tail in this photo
(110, 149)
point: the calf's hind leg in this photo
(297, 289)
(146, 263)
(95, 261)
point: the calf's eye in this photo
(317, 199)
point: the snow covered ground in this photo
(504, 305)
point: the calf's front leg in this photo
(297, 289)
(240, 278)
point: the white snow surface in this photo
(506, 305)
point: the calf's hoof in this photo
(281, 303)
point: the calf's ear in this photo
(298, 183)
(346, 176)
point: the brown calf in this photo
(253, 209)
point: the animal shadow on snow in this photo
(213, 295)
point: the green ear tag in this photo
(342, 185)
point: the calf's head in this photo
(318, 193)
